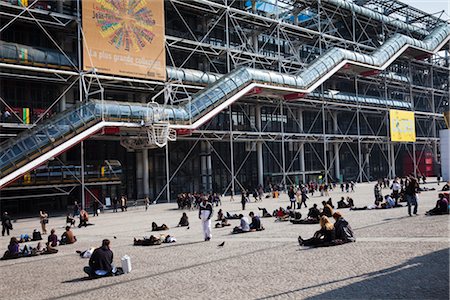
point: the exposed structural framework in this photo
(258, 92)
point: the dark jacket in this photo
(343, 231)
(101, 259)
(256, 223)
(314, 213)
(328, 235)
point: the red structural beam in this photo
(293, 96)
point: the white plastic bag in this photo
(126, 264)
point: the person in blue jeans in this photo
(411, 194)
(101, 261)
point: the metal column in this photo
(301, 155)
(337, 162)
(259, 146)
(145, 174)
(206, 166)
(167, 173)
(139, 179)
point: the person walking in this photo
(411, 194)
(6, 223)
(304, 197)
(43, 218)
(205, 213)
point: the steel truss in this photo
(228, 35)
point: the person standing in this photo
(115, 200)
(147, 203)
(95, 207)
(123, 203)
(243, 199)
(43, 218)
(411, 194)
(291, 195)
(396, 188)
(76, 209)
(205, 213)
(6, 223)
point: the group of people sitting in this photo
(383, 203)
(245, 226)
(345, 203)
(15, 251)
(222, 220)
(329, 234)
(441, 207)
(154, 241)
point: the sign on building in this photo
(403, 128)
(123, 37)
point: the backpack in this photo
(37, 236)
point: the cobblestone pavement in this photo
(395, 256)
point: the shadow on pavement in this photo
(423, 277)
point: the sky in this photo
(431, 6)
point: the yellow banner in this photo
(124, 37)
(403, 128)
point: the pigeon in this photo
(221, 244)
(187, 227)
(115, 237)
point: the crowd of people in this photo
(329, 234)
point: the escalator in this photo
(61, 132)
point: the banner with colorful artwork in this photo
(124, 37)
(403, 127)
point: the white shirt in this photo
(396, 186)
(245, 225)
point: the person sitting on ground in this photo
(101, 261)
(84, 218)
(342, 204)
(244, 225)
(68, 237)
(330, 202)
(446, 188)
(184, 221)
(147, 241)
(327, 210)
(13, 248)
(282, 214)
(343, 231)
(388, 202)
(52, 240)
(223, 223)
(159, 228)
(232, 216)
(220, 215)
(314, 213)
(70, 220)
(255, 225)
(441, 207)
(322, 237)
(312, 218)
(265, 213)
(350, 202)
